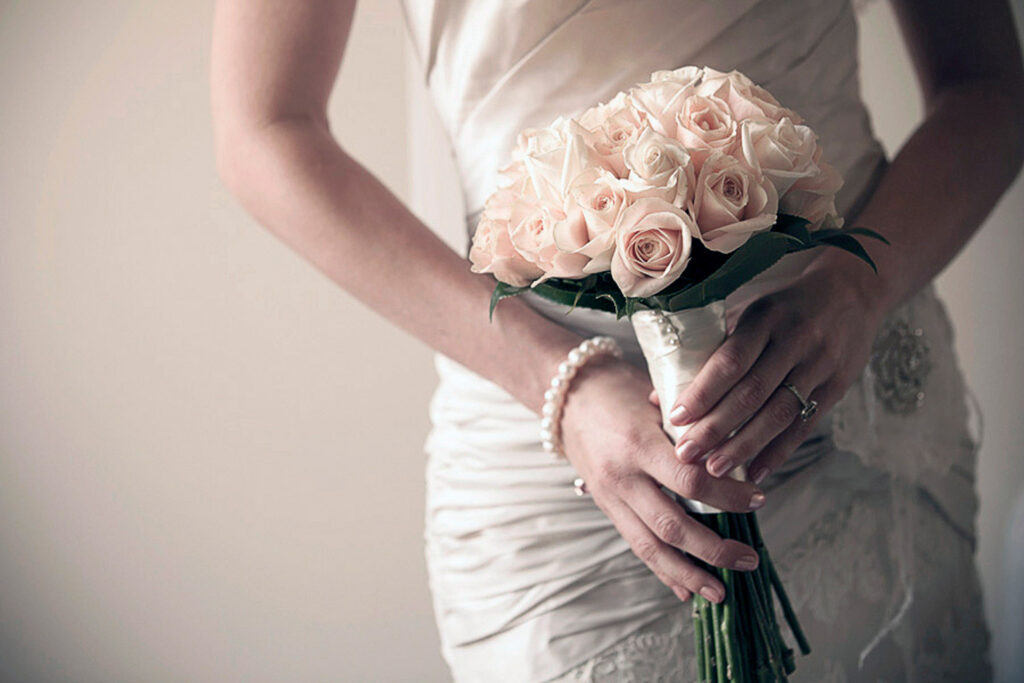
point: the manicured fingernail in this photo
(718, 465)
(688, 451)
(746, 563)
(678, 415)
(756, 501)
(712, 593)
(758, 475)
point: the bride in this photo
(868, 507)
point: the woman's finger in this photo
(670, 523)
(726, 366)
(692, 481)
(668, 564)
(743, 401)
(782, 446)
(779, 413)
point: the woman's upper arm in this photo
(274, 61)
(957, 41)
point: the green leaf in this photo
(573, 293)
(866, 232)
(851, 245)
(617, 309)
(825, 234)
(503, 290)
(757, 254)
(794, 226)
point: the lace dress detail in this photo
(657, 653)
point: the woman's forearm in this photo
(937, 191)
(296, 181)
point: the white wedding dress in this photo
(871, 522)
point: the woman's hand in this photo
(815, 334)
(613, 437)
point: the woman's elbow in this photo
(231, 142)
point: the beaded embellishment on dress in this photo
(900, 362)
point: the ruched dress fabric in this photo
(871, 522)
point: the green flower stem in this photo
(708, 651)
(747, 638)
(765, 583)
(787, 608)
(764, 637)
(768, 634)
(730, 613)
(698, 639)
(765, 632)
(759, 662)
(728, 628)
(740, 640)
(716, 620)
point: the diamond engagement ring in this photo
(809, 407)
(579, 486)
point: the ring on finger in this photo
(808, 406)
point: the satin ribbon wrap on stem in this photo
(676, 345)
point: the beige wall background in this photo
(201, 476)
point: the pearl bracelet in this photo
(554, 397)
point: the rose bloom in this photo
(609, 128)
(685, 76)
(659, 102)
(599, 195)
(493, 252)
(814, 197)
(705, 124)
(541, 140)
(553, 158)
(732, 202)
(786, 153)
(659, 167)
(532, 228)
(745, 98)
(652, 246)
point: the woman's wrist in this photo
(554, 397)
(853, 282)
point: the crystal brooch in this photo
(900, 362)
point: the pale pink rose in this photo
(659, 102)
(782, 151)
(532, 232)
(609, 128)
(732, 202)
(541, 140)
(516, 183)
(659, 167)
(493, 252)
(705, 124)
(652, 247)
(814, 197)
(685, 76)
(554, 157)
(745, 98)
(599, 195)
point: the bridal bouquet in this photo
(656, 206)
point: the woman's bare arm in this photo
(273, 68)
(951, 172)
(274, 64)
(935, 194)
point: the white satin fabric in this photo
(871, 521)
